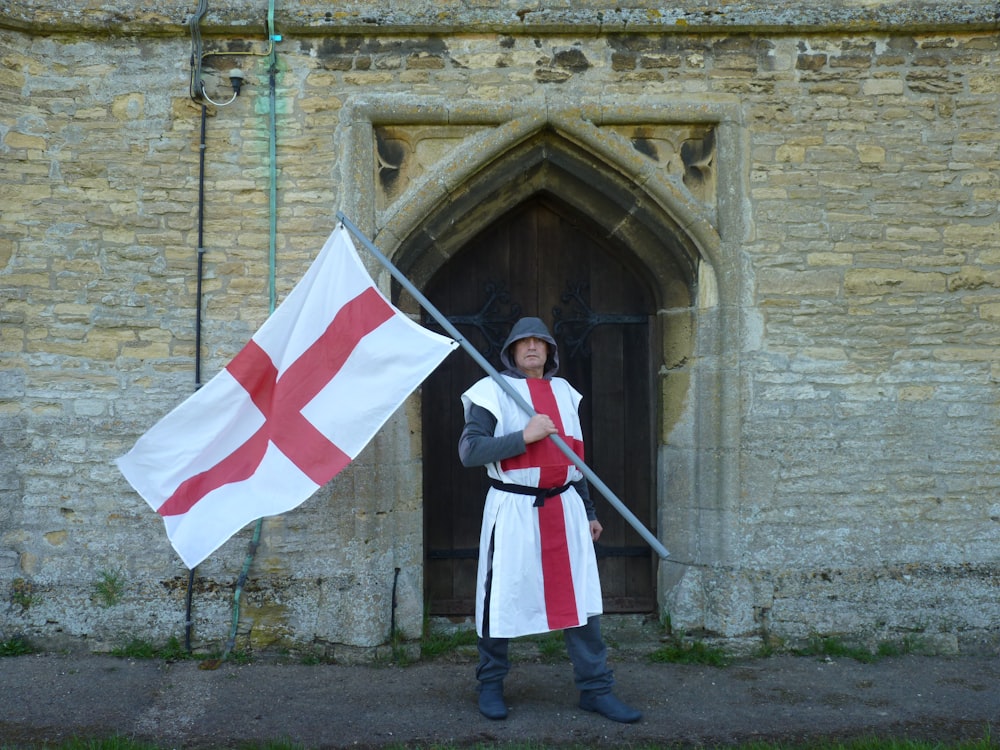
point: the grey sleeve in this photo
(583, 490)
(478, 446)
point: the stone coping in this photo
(528, 17)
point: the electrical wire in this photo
(195, 86)
(206, 97)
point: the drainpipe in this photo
(188, 622)
(199, 95)
(272, 256)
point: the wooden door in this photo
(540, 260)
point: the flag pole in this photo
(594, 480)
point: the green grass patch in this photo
(836, 648)
(110, 743)
(22, 593)
(109, 588)
(829, 646)
(436, 644)
(137, 648)
(552, 647)
(173, 650)
(875, 743)
(16, 646)
(676, 651)
(313, 659)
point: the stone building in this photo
(767, 239)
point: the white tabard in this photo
(542, 560)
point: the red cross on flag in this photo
(293, 408)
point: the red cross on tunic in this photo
(281, 398)
(557, 572)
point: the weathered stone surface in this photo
(829, 461)
(538, 16)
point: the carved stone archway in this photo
(676, 208)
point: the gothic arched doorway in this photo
(544, 258)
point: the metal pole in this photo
(507, 387)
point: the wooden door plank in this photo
(537, 251)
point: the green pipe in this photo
(272, 298)
(272, 151)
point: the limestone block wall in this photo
(851, 486)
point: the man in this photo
(537, 566)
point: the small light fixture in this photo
(236, 79)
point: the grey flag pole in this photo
(507, 387)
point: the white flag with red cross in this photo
(293, 408)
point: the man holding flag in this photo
(537, 565)
(313, 386)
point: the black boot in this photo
(607, 705)
(491, 703)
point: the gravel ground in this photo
(50, 698)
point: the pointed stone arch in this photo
(686, 248)
(549, 163)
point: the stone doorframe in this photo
(422, 176)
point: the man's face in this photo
(530, 355)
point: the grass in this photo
(832, 647)
(676, 651)
(435, 644)
(16, 646)
(551, 649)
(77, 743)
(22, 593)
(172, 650)
(875, 743)
(109, 588)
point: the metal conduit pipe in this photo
(188, 622)
(199, 95)
(194, 86)
(272, 254)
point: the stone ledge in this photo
(461, 16)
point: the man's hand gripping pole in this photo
(446, 324)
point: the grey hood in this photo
(526, 328)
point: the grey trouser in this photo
(586, 650)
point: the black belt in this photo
(539, 493)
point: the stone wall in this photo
(839, 476)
